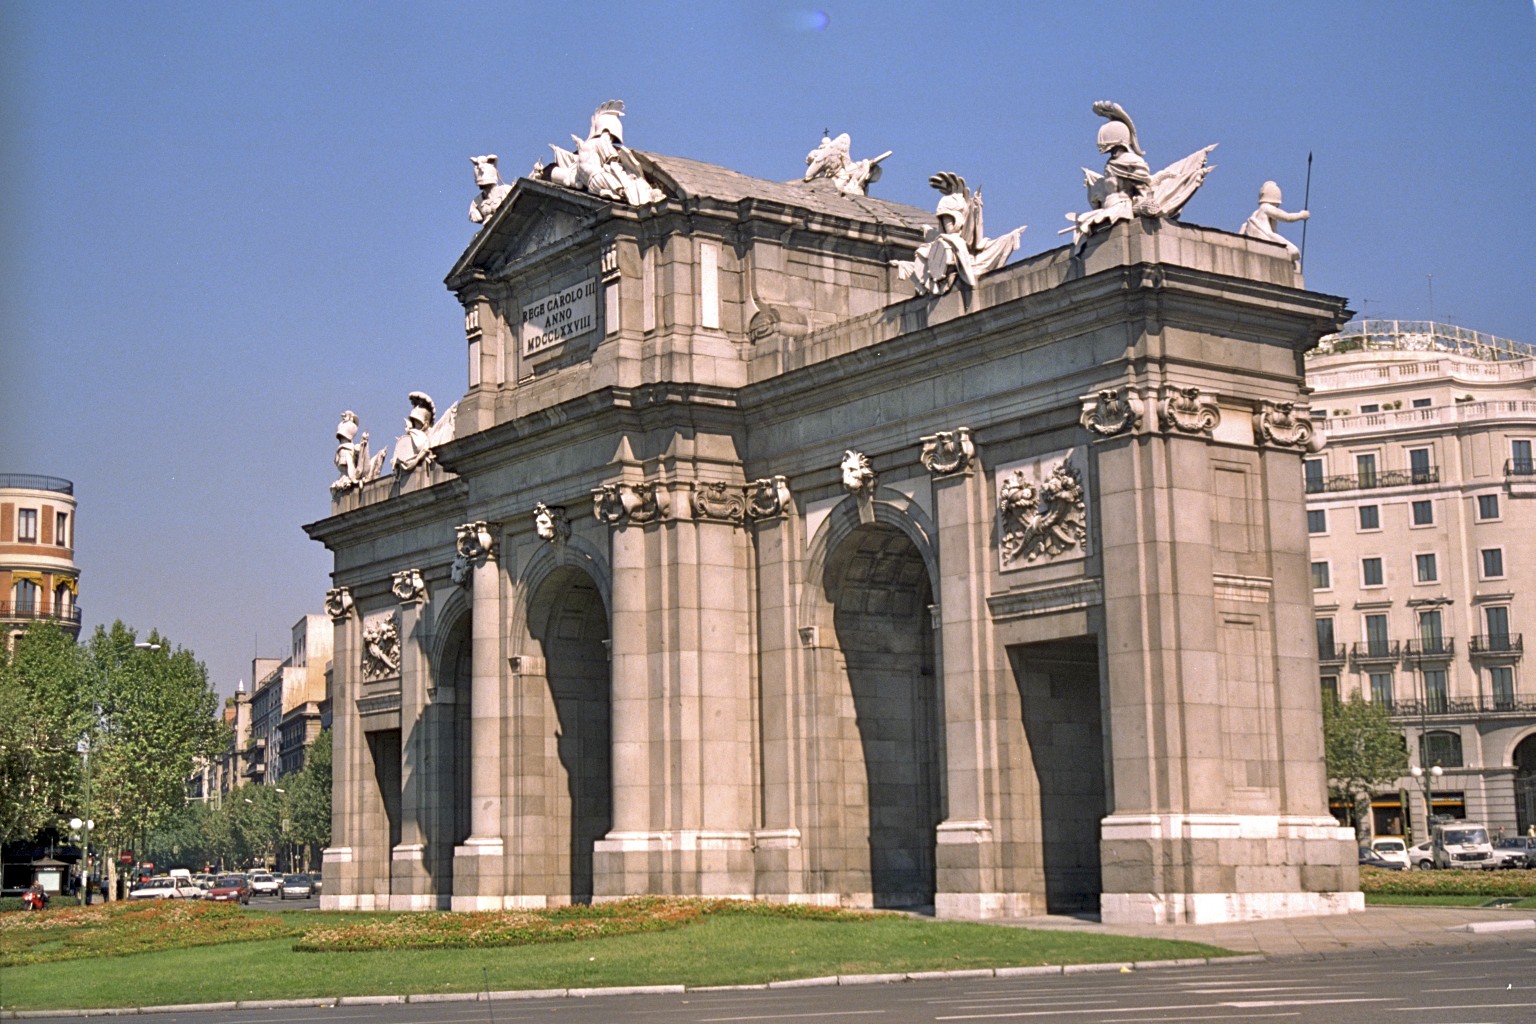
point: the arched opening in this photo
(569, 623)
(455, 675)
(1525, 783)
(877, 585)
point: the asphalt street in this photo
(1491, 984)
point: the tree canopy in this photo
(1364, 751)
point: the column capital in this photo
(949, 452)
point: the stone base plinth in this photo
(1210, 868)
(677, 863)
(965, 862)
(411, 882)
(479, 881)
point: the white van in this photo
(1463, 844)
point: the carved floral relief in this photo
(381, 647)
(1041, 515)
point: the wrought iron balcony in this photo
(1483, 704)
(1520, 467)
(1432, 648)
(1376, 651)
(32, 612)
(1332, 654)
(1496, 645)
(1380, 478)
(34, 482)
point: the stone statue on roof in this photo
(424, 431)
(352, 459)
(492, 189)
(834, 159)
(1128, 188)
(601, 164)
(1262, 223)
(957, 250)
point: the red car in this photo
(230, 889)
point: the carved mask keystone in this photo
(551, 523)
(948, 452)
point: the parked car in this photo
(166, 889)
(1422, 855)
(1462, 844)
(231, 889)
(1369, 858)
(1515, 852)
(264, 883)
(1392, 848)
(297, 886)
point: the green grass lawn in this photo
(717, 950)
(1402, 900)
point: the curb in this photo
(634, 990)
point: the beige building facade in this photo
(754, 576)
(39, 580)
(1421, 511)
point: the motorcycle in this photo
(35, 899)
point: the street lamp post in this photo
(1427, 782)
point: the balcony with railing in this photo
(1332, 654)
(34, 482)
(1497, 645)
(1520, 467)
(1482, 704)
(31, 612)
(1430, 648)
(1366, 652)
(1370, 481)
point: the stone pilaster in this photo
(479, 864)
(340, 862)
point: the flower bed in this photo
(438, 930)
(72, 932)
(1448, 882)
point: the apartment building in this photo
(1421, 511)
(38, 575)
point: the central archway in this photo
(877, 585)
(569, 623)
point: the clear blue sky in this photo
(221, 224)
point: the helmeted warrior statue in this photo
(833, 159)
(423, 432)
(352, 458)
(1128, 188)
(492, 189)
(1262, 223)
(601, 164)
(957, 249)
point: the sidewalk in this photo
(1375, 928)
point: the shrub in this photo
(1458, 882)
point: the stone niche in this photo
(1049, 654)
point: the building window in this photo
(1325, 639)
(1487, 506)
(24, 597)
(1371, 574)
(1381, 688)
(1520, 458)
(1496, 618)
(1419, 466)
(1441, 747)
(1369, 408)
(63, 602)
(1377, 643)
(1312, 471)
(1424, 568)
(26, 525)
(1493, 563)
(61, 529)
(1423, 403)
(1365, 470)
(1320, 576)
(1431, 633)
(1423, 513)
(1330, 686)
(1435, 700)
(1370, 517)
(1501, 682)
(1317, 520)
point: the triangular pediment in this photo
(535, 218)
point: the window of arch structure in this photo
(1441, 748)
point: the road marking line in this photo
(791, 1016)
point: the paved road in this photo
(1493, 983)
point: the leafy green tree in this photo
(1364, 751)
(309, 801)
(43, 714)
(155, 715)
